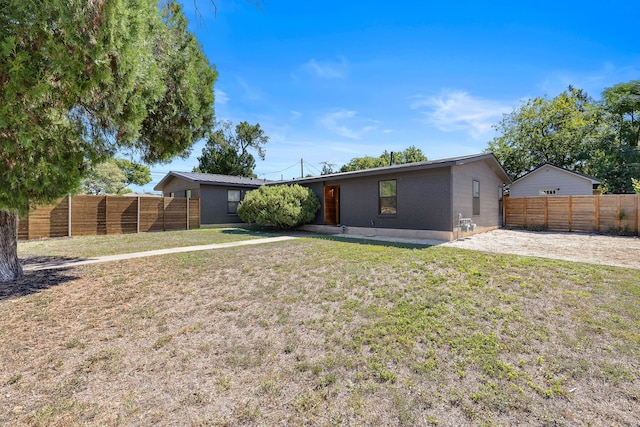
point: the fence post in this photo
(138, 219)
(597, 219)
(637, 216)
(69, 216)
(164, 214)
(618, 219)
(570, 213)
(188, 212)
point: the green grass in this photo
(321, 331)
(92, 246)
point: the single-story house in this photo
(415, 200)
(551, 180)
(219, 194)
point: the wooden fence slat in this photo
(619, 213)
(86, 215)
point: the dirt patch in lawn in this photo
(579, 247)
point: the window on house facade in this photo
(187, 194)
(476, 197)
(172, 194)
(388, 200)
(233, 199)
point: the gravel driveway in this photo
(580, 247)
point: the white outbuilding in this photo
(551, 180)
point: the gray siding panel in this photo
(422, 201)
(213, 205)
(550, 178)
(179, 186)
(463, 176)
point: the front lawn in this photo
(318, 331)
(92, 246)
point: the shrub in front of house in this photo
(282, 206)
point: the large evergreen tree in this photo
(81, 79)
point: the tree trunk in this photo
(9, 265)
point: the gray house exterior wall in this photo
(179, 187)
(213, 195)
(422, 200)
(429, 196)
(213, 204)
(462, 177)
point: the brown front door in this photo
(332, 205)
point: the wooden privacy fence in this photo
(97, 215)
(615, 213)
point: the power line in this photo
(292, 166)
(313, 167)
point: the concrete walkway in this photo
(107, 258)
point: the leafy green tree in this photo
(615, 159)
(82, 79)
(135, 173)
(282, 206)
(560, 131)
(113, 177)
(104, 178)
(408, 155)
(227, 150)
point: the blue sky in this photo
(333, 80)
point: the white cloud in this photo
(295, 115)
(334, 122)
(327, 69)
(221, 97)
(250, 93)
(592, 81)
(455, 111)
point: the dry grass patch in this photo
(324, 332)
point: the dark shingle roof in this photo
(209, 178)
(451, 161)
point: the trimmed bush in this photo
(282, 206)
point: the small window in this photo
(476, 197)
(387, 197)
(233, 198)
(172, 194)
(187, 194)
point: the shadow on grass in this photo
(35, 281)
(254, 230)
(371, 242)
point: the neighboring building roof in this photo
(406, 167)
(593, 180)
(141, 195)
(209, 178)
